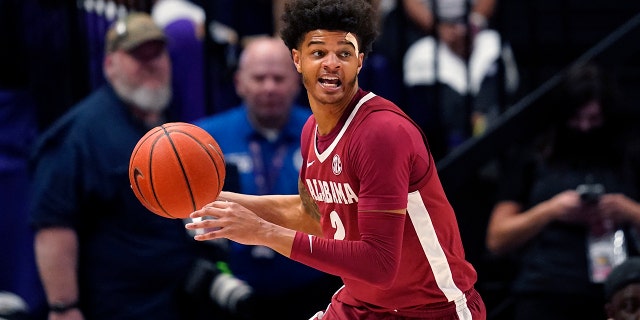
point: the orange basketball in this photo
(176, 168)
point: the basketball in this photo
(175, 169)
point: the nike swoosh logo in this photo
(138, 174)
(309, 164)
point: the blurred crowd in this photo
(446, 63)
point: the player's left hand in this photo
(222, 219)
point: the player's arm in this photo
(296, 212)
(372, 257)
(266, 220)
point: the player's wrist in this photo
(62, 307)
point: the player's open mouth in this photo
(330, 82)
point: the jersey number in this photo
(336, 223)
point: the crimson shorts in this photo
(471, 307)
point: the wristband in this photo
(61, 307)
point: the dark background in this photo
(43, 49)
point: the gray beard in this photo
(150, 100)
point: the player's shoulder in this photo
(387, 105)
(379, 110)
(381, 120)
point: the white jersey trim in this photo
(431, 247)
(322, 157)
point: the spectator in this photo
(622, 291)
(370, 207)
(261, 136)
(453, 73)
(568, 206)
(183, 23)
(100, 253)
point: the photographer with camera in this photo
(567, 208)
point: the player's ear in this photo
(295, 54)
(360, 61)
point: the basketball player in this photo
(371, 207)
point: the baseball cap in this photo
(622, 275)
(131, 31)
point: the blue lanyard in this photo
(266, 179)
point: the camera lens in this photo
(230, 292)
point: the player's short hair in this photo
(355, 16)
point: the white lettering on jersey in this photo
(331, 191)
(326, 192)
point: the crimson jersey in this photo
(377, 159)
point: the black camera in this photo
(590, 192)
(226, 291)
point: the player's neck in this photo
(328, 115)
(327, 118)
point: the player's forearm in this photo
(279, 239)
(233, 221)
(374, 259)
(56, 252)
(284, 210)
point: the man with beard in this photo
(100, 253)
